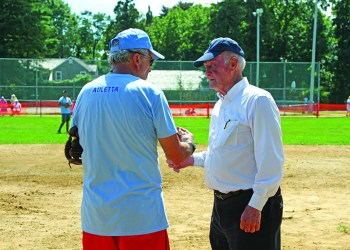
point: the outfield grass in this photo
(296, 130)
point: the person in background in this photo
(16, 108)
(12, 101)
(120, 119)
(348, 107)
(243, 162)
(65, 104)
(3, 106)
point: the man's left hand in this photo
(184, 135)
(250, 220)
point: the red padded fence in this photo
(190, 110)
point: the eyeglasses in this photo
(143, 55)
(151, 62)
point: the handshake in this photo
(184, 136)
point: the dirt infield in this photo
(40, 200)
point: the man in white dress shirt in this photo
(243, 162)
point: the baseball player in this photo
(120, 119)
(64, 103)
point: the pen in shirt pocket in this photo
(226, 123)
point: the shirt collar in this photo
(234, 90)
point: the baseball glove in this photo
(72, 148)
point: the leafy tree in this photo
(181, 35)
(126, 16)
(86, 39)
(164, 11)
(340, 89)
(91, 32)
(149, 16)
(229, 19)
(23, 28)
(183, 5)
(63, 29)
(100, 22)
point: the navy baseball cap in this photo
(216, 47)
(133, 39)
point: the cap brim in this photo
(206, 57)
(156, 55)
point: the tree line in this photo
(49, 29)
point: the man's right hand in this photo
(188, 162)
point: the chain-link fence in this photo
(35, 80)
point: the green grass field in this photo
(296, 130)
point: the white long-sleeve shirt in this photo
(245, 147)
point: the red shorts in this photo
(153, 241)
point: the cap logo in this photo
(133, 39)
(115, 43)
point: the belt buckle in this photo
(219, 196)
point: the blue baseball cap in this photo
(133, 39)
(216, 47)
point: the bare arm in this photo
(175, 150)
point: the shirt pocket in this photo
(228, 134)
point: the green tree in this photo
(23, 28)
(63, 29)
(164, 11)
(340, 89)
(126, 16)
(149, 16)
(181, 34)
(91, 31)
(230, 18)
(86, 39)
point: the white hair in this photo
(124, 55)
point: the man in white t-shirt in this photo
(65, 104)
(120, 119)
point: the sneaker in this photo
(58, 132)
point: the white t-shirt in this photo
(64, 100)
(120, 119)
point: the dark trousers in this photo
(225, 233)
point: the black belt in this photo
(223, 196)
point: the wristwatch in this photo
(192, 146)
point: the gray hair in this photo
(241, 59)
(125, 55)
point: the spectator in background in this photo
(65, 104)
(348, 107)
(190, 112)
(3, 106)
(16, 108)
(12, 100)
